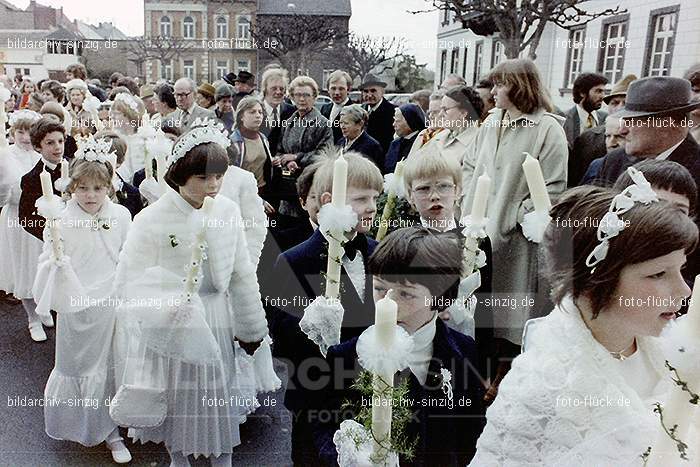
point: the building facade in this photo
(651, 38)
(210, 38)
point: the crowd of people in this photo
(188, 289)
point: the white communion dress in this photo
(81, 384)
(191, 356)
(19, 250)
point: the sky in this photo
(372, 17)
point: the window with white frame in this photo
(663, 29)
(166, 27)
(188, 69)
(498, 53)
(166, 70)
(243, 27)
(454, 63)
(443, 65)
(464, 62)
(243, 65)
(478, 60)
(575, 59)
(221, 27)
(188, 27)
(445, 16)
(612, 59)
(221, 68)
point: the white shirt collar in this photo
(47, 164)
(583, 118)
(664, 155)
(410, 135)
(355, 270)
(422, 351)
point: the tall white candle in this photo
(46, 185)
(677, 409)
(335, 249)
(385, 331)
(144, 119)
(481, 197)
(536, 184)
(390, 203)
(64, 168)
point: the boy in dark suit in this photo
(301, 272)
(48, 138)
(422, 268)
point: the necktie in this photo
(185, 118)
(275, 115)
(590, 121)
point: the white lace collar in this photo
(422, 351)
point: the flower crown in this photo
(97, 150)
(611, 224)
(24, 114)
(203, 131)
(128, 100)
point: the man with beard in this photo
(589, 91)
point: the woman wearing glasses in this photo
(459, 115)
(304, 136)
(520, 122)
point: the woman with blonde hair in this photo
(125, 118)
(521, 122)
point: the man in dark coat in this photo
(339, 86)
(588, 91)
(380, 125)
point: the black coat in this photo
(446, 436)
(273, 134)
(380, 125)
(367, 146)
(130, 197)
(588, 146)
(398, 151)
(326, 112)
(30, 184)
(300, 279)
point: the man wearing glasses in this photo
(188, 110)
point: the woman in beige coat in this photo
(520, 122)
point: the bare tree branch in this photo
(366, 53)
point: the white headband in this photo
(128, 100)
(24, 114)
(97, 150)
(611, 224)
(203, 131)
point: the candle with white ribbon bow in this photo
(46, 185)
(481, 197)
(536, 184)
(386, 311)
(335, 248)
(48, 195)
(161, 168)
(677, 410)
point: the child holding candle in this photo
(423, 270)
(18, 249)
(197, 367)
(301, 271)
(433, 184)
(582, 392)
(521, 122)
(93, 230)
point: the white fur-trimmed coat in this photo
(162, 235)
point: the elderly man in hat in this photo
(205, 96)
(147, 93)
(245, 85)
(380, 125)
(590, 144)
(655, 126)
(188, 110)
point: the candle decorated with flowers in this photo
(335, 247)
(46, 186)
(390, 202)
(536, 184)
(678, 410)
(382, 383)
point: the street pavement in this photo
(24, 369)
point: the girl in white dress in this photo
(93, 230)
(19, 250)
(125, 118)
(582, 392)
(181, 328)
